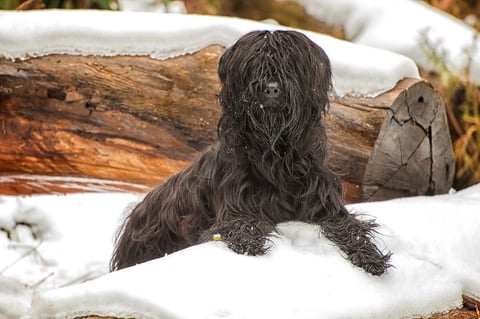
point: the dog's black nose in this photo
(272, 90)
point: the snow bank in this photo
(303, 276)
(442, 230)
(402, 26)
(15, 298)
(357, 69)
(58, 239)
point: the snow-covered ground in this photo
(435, 241)
(405, 27)
(357, 69)
(49, 245)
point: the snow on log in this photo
(356, 69)
(454, 41)
(136, 119)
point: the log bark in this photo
(139, 120)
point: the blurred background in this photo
(462, 97)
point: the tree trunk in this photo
(139, 120)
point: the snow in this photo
(15, 297)
(57, 236)
(405, 27)
(152, 6)
(303, 276)
(64, 184)
(357, 69)
(54, 249)
(69, 243)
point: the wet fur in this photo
(268, 166)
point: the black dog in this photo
(269, 165)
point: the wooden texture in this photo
(412, 153)
(139, 120)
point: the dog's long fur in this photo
(269, 165)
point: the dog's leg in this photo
(354, 238)
(144, 236)
(243, 236)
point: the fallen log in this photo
(139, 120)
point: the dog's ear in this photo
(324, 85)
(311, 60)
(236, 68)
(311, 57)
(222, 65)
(237, 54)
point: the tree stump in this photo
(138, 120)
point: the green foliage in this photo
(9, 4)
(462, 99)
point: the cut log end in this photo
(413, 153)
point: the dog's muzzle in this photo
(271, 95)
(272, 90)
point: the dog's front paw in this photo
(375, 264)
(244, 237)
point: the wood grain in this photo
(139, 120)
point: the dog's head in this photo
(275, 84)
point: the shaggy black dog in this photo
(269, 165)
